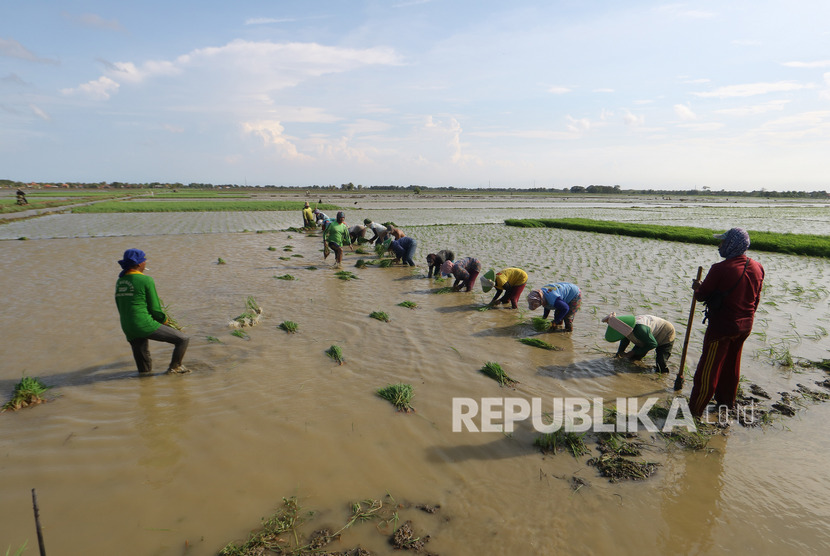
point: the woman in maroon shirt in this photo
(739, 280)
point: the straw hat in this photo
(488, 280)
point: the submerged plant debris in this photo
(618, 468)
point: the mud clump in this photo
(618, 468)
(758, 391)
(404, 538)
(428, 508)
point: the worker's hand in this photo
(619, 354)
(695, 284)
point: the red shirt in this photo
(738, 310)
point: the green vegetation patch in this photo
(289, 326)
(540, 324)
(539, 344)
(29, 391)
(791, 244)
(380, 315)
(346, 275)
(193, 206)
(285, 277)
(400, 395)
(336, 353)
(494, 371)
(408, 304)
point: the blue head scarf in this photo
(132, 258)
(734, 243)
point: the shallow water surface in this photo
(129, 465)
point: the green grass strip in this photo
(791, 244)
(194, 206)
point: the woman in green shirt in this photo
(336, 236)
(142, 316)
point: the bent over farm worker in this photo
(142, 316)
(404, 249)
(379, 230)
(738, 281)
(563, 297)
(465, 271)
(647, 332)
(510, 283)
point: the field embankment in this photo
(195, 206)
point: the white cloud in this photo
(99, 89)
(684, 112)
(754, 109)
(13, 49)
(363, 127)
(173, 128)
(267, 20)
(578, 125)
(752, 89)
(603, 91)
(271, 133)
(710, 126)
(633, 120)
(559, 90)
(814, 64)
(40, 113)
(95, 21)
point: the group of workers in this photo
(735, 283)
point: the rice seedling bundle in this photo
(494, 371)
(408, 304)
(289, 326)
(29, 391)
(535, 342)
(285, 258)
(400, 395)
(213, 339)
(540, 324)
(285, 277)
(336, 353)
(561, 440)
(272, 248)
(361, 251)
(241, 334)
(169, 319)
(346, 275)
(360, 263)
(251, 316)
(380, 315)
(220, 261)
(385, 263)
(445, 289)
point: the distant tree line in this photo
(417, 189)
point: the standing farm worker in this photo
(308, 217)
(465, 271)
(336, 236)
(404, 249)
(563, 297)
(647, 332)
(509, 284)
(379, 230)
(142, 316)
(731, 291)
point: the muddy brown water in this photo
(129, 465)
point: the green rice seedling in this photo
(285, 277)
(297, 256)
(692, 440)
(380, 315)
(613, 442)
(19, 551)
(288, 248)
(385, 263)
(221, 261)
(445, 289)
(408, 304)
(29, 391)
(618, 468)
(270, 537)
(360, 263)
(346, 275)
(399, 394)
(560, 440)
(336, 353)
(251, 316)
(484, 308)
(213, 339)
(494, 371)
(379, 250)
(170, 320)
(540, 324)
(361, 251)
(272, 248)
(289, 326)
(239, 333)
(535, 342)
(285, 258)
(311, 268)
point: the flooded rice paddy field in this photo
(174, 465)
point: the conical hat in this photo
(619, 327)
(488, 280)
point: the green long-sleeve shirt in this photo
(339, 234)
(138, 305)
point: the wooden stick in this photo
(37, 524)
(678, 382)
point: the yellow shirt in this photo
(510, 277)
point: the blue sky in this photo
(637, 93)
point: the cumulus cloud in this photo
(752, 89)
(633, 120)
(94, 21)
(684, 112)
(272, 133)
(99, 89)
(13, 49)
